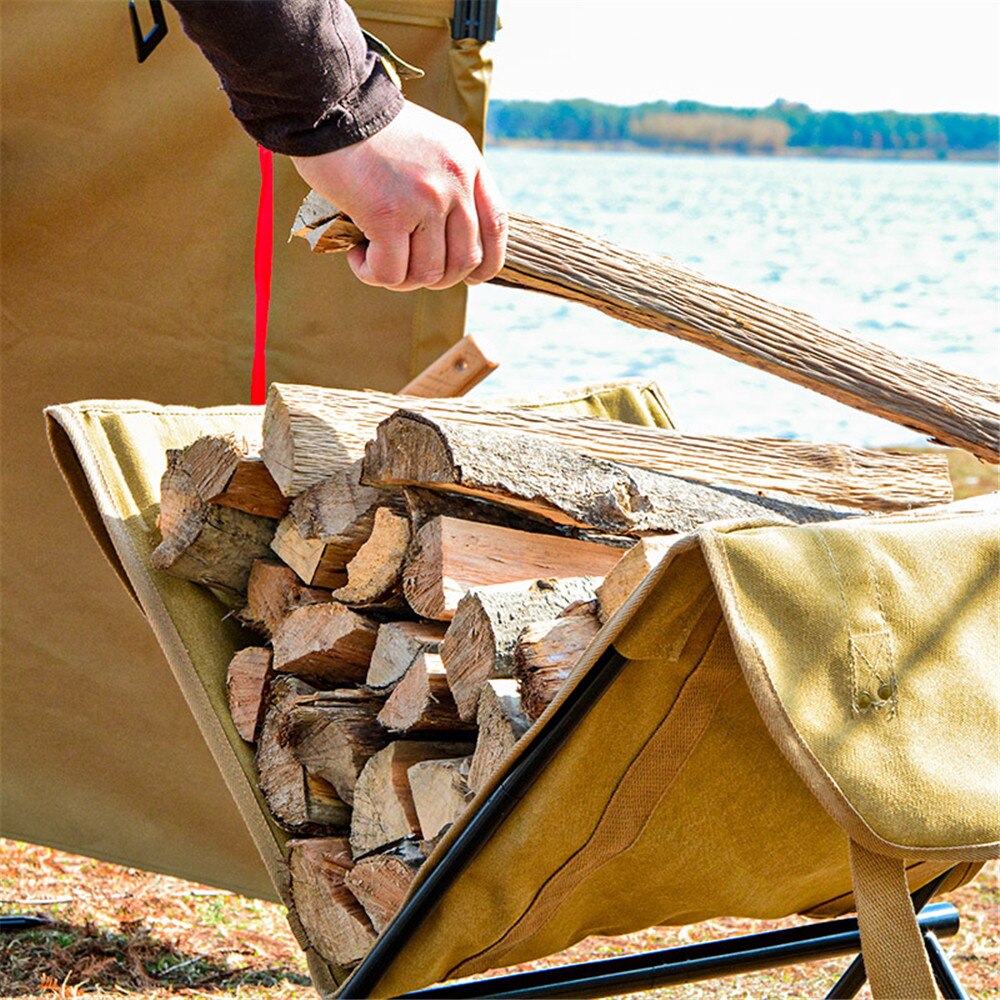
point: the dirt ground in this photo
(119, 932)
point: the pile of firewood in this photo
(423, 575)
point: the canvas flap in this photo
(870, 648)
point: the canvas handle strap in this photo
(895, 957)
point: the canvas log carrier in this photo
(92, 137)
(781, 719)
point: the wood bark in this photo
(340, 512)
(374, 575)
(316, 563)
(525, 472)
(397, 647)
(422, 700)
(273, 590)
(479, 643)
(658, 293)
(334, 921)
(628, 573)
(301, 803)
(440, 791)
(325, 640)
(333, 734)
(228, 470)
(545, 654)
(380, 882)
(450, 556)
(461, 368)
(383, 804)
(501, 724)
(246, 684)
(310, 433)
(205, 543)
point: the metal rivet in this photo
(864, 699)
(885, 692)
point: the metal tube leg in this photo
(944, 974)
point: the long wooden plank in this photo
(658, 293)
(310, 433)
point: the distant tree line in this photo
(781, 126)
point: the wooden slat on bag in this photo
(657, 293)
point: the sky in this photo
(847, 55)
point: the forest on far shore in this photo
(783, 127)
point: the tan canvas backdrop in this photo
(128, 205)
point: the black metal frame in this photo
(633, 973)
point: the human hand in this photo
(420, 191)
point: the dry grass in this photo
(119, 932)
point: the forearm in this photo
(299, 75)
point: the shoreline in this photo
(833, 153)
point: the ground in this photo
(120, 932)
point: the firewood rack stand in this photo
(649, 970)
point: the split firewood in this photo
(397, 647)
(545, 653)
(480, 641)
(383, 804)
(422, 700)
(333, 734)
(334, 921)
(657, 293)
(374, 574)
(274, 590)
(301, 803)
(529, 473)
(628, 573)
(315, 563)
(450, 556)
(246, 683)
(501, 724)
(208, 544)
(380, 882)
(440, 790)
(310, 433)
(460, 369)
(325, 640)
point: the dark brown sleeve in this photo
(299, 74)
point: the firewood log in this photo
(501, 724)
(274, 590)
(460, 369)
(246, 683)
(655, 292)
(451, 556)
(316, 563)
(301, 803)
(310, 433)
(383, 804)
(206, 543)
(545, 653)
(397, 646)
(628, 573)
(325, 640)
(380, 882)
(336, 924)
(526, 472)
(374, 574)
(440, 790)
(333, 734)
(480, 641)
(422, 700)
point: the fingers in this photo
(492, 217)
(384, 262)
(464, 252)
(428, 256)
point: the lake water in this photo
(901, 253)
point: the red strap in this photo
(262, 253)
